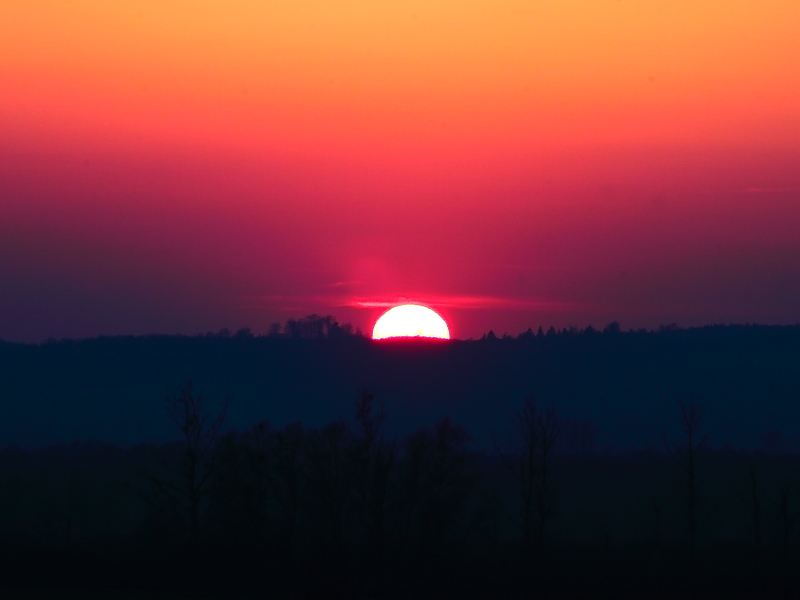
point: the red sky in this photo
(182, 166)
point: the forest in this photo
(506, 467)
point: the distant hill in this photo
(744, 379)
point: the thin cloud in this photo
(340, 284)
(456, 302)
(466, 302)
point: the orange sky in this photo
(351, 77)
(423, 145)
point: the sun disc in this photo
(410, 320)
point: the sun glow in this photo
(410, 320)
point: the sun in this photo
(410, 320)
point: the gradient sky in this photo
(179, 166)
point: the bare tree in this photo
(186, 484)
(437, 480)
(373, 459)
(787, 521)
(257, 486)
(755, 510)
(686, 457)
(237, 493)
(531, 468)
(329, 483)
(523, 467)
(285, 468)
(547, 431)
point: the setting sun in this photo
(410, 320)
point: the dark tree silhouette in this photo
(373, 460)
(436, 482)
(546, 434)
(257, 486)
(754, 505)
(285, 462)
(186, 485)
(328, 483)
(316, 327)
(237, 495)
(532, 468)
(523, 467)
(686, 457)
(786, 520)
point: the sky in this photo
(180, 166)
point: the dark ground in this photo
(425, 507)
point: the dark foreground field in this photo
(575, 464)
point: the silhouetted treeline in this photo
(622, 383)
(349, 510)
(552, 464)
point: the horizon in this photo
(281, 331)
